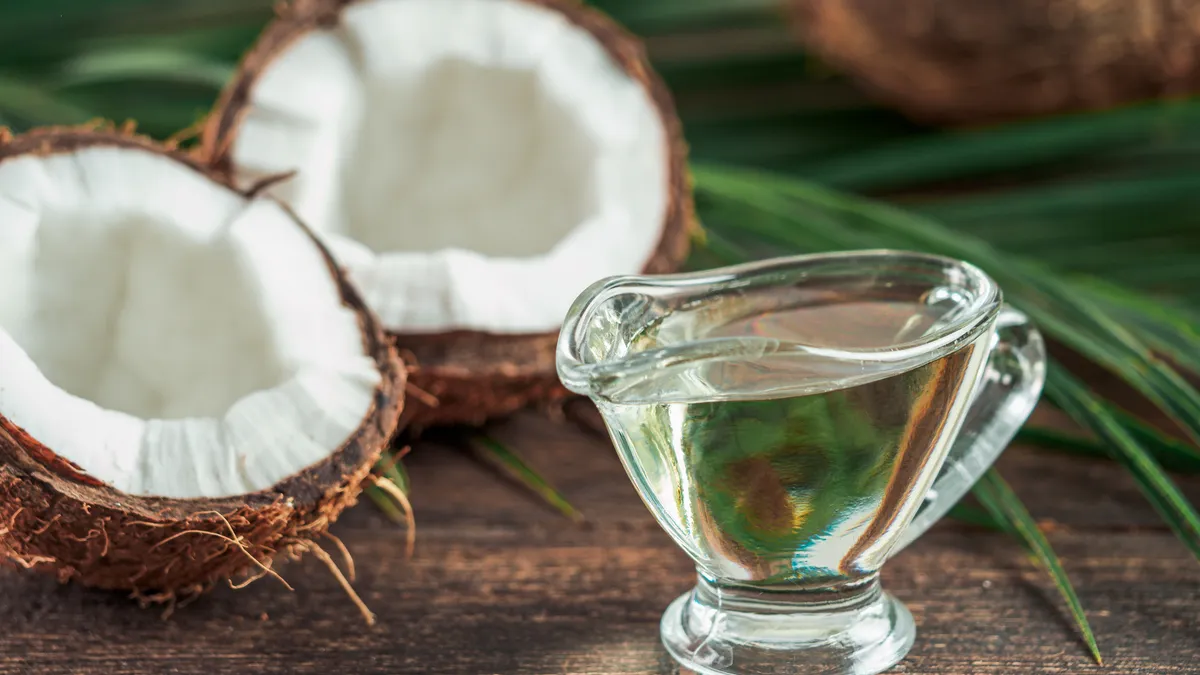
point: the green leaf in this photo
(394, 471)
(1084, 325)
(518, 469)
(28, 23)
(724, 249)
(956, 155)
(668, 15)
(999, 499)
(1123, 228)
(1087, 197)
(823, 128)
(740, 70)
(102, 66)
(1171, 330)
(1054, 439)
(1069, 394)
(1172, 454)
(977, 517)
(33, 104)
(386, 504)
(391, 469)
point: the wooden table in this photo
(502, 584)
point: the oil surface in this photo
(809, 479)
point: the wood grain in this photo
(502, 584)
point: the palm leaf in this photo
(946, 156)
(1163, 494)
(1172, 330)
(978, 517)
(24, 103)
(390, 469)
(1171, 454)
(385, 504)
(511, 463)
(1005, 507)
(152, 63)
(671, 15)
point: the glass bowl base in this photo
(860, 638)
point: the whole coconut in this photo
(966, 61)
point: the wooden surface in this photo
(502, 584)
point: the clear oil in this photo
(793, 470)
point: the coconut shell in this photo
(986, 60)
(473, 376)
(56, 519)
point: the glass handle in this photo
(1012, 382)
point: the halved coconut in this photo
(474, 164)
(188, 385)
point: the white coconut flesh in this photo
(474, 163)
(166, 334)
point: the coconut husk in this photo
(473, 376)
(971, 61)
(56, 519)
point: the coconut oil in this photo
(801, 474)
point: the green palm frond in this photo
(507, 460)
(1005, 507)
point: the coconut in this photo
(188, 385)
(473, 164)
(985, 60)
